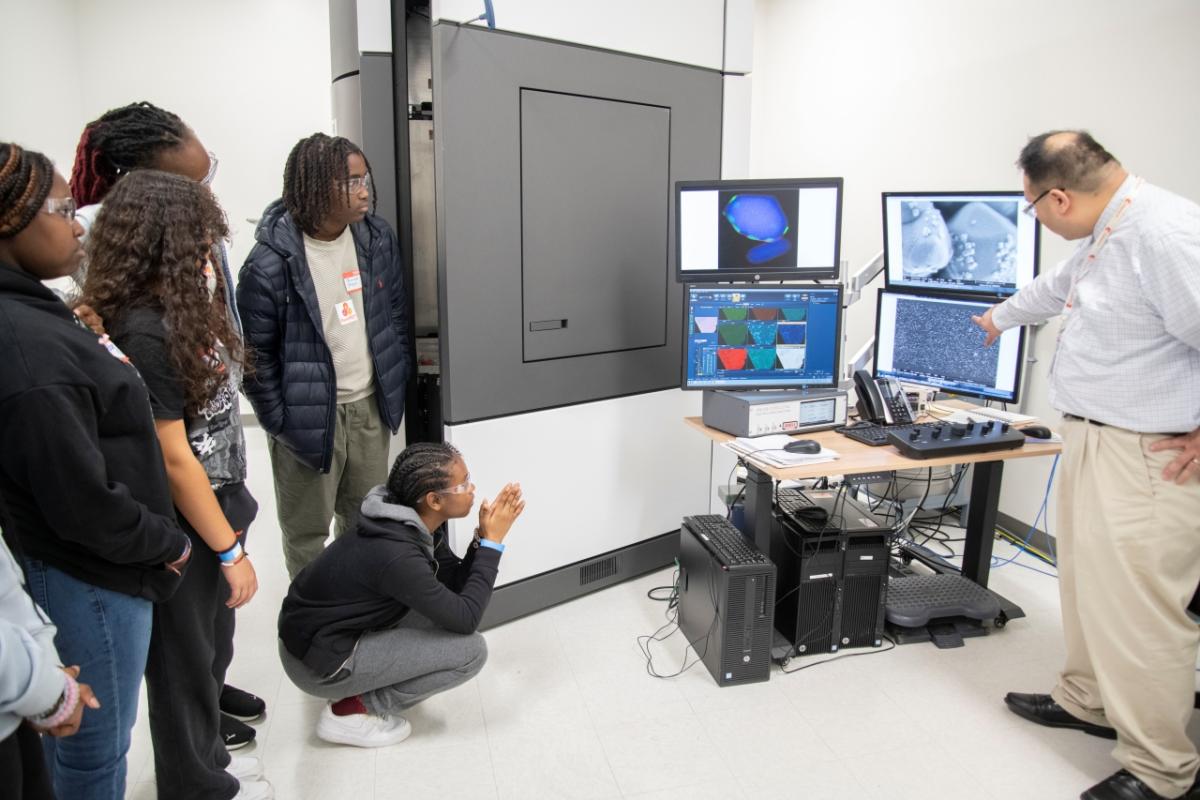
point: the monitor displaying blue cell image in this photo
(747, 336)
(762, 229)
(977, 242)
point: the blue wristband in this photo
(231, 555)
(493, 545)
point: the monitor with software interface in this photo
(747, 336)
(978, 242)
(929, 339)
(758, 230)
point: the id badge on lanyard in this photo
(1079, 272)
(1082, 270)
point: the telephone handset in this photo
(881, 400)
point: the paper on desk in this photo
(769, 450)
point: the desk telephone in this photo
(881, 400)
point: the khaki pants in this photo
(308, 500)
(1129, 562)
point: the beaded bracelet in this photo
(66, 707)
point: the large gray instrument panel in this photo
(555, 166)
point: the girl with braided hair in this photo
(386, 616)
(81, 477)
(121, 141)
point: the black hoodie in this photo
(369, 578)
(80, 466)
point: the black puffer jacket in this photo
(293, 388)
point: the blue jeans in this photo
(108, 635)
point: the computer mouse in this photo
(806, 446)
(1036, 431)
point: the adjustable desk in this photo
(857, 458)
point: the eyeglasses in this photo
(1029, 209)
(62, 206)
(461, 488)
(212, 169)
(358, 182)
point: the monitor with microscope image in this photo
(977, 242)
(784, 229)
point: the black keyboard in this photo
(871, 434)
(789, 501)
(724, 540)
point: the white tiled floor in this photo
(565, 709)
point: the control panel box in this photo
(763, 413)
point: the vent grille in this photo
(860, 610)
(814, 622)
(599, 570)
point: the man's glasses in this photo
(62, 206)
(356, 183)
(212, 169)
(1029, 209)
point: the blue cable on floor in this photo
(1023, 547)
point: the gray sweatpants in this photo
(394, 669)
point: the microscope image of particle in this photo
(925, 241)
(985, 244)
(759, 218)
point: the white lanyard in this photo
(1079, 272)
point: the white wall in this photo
(942, 94)
(251, 78)
(40, 95)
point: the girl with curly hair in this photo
(85, 495)
(151, 277)
(120, 141)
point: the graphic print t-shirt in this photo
(215, 431)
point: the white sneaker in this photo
(245, 768)
(362, 730)
(255, 790)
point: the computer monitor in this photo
(976, 242)
(929, 339)
(747, 336)
(761, 229)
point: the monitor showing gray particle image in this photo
(761, 229)
(977, 242)
(930, 340)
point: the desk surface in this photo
(856, 457)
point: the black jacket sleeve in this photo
(258, 306)
(410, 578)
(49, 445)
(398, 298)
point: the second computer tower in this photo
(831, 553)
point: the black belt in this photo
(1100, 424)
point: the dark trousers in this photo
(24, 767)
(190, 650)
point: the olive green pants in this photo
(308, 500)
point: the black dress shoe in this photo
(1122, 785)
(235, 733)
(1042, 709)
(240, 704)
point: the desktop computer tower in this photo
(726, 610)
(864, 587)
(831, 553)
